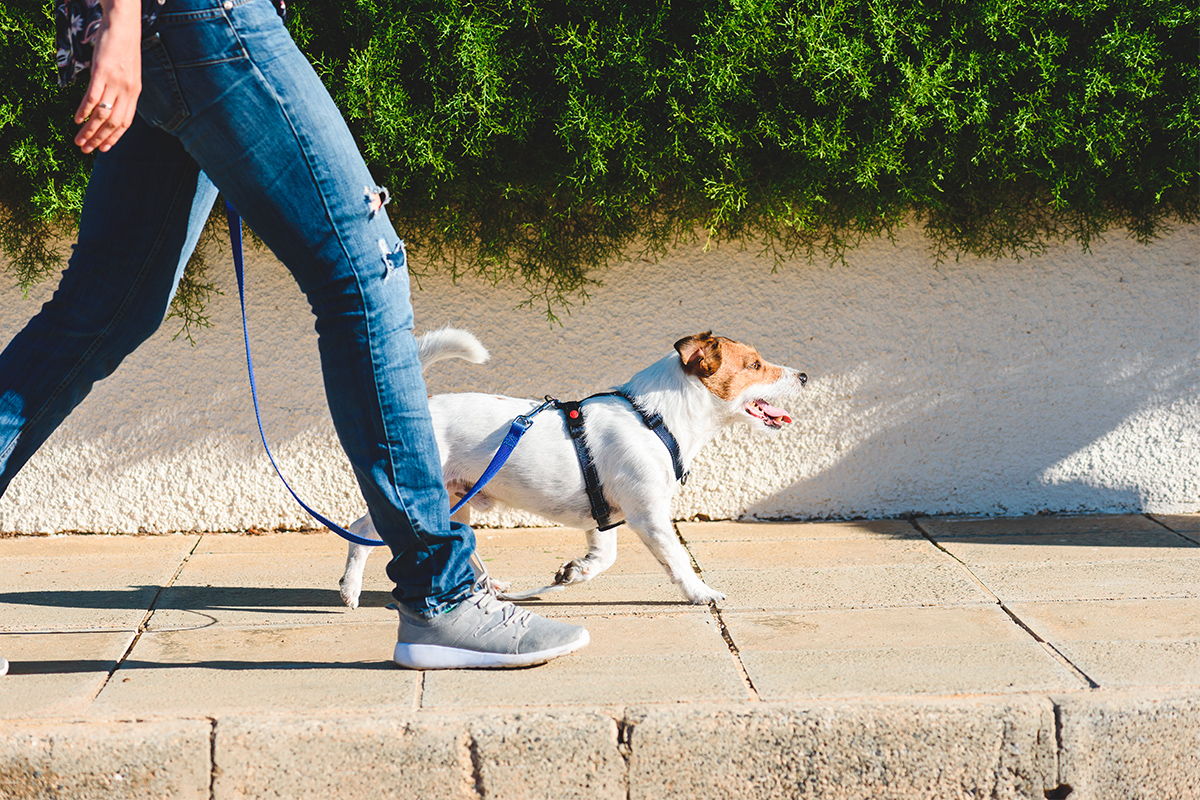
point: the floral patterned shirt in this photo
(76, 23)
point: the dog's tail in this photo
(447, 343)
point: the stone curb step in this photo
(1097, 745)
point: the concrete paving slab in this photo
(729, 531)
(1091, 580)
(1129, 745)
(585, 680)
(872, 652)
(89, 583)
(767, 555)
(1065, 548)
(871, 628)
(267, 589)
(1167, 618)
(1122, 664)
(845, 587)
(893, 671)
(630, 659)
(934, 749)
(291, 669)
(57, 675)
(105, 761)
(951, 528)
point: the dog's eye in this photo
(756, 365)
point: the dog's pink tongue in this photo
(773, 412)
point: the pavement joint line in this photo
(737, 655)
(141, 628)
(1050, 649)
(715, 610)
(1183, 536)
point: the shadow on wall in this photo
(1071, 384)
(1022, 443)
(1054, 402)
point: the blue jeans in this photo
(230, 103)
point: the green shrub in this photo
(537, 140)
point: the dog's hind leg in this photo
(602, 552)
(661, 540)
(350, 586)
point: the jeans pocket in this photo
(161, 103)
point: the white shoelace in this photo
(486, 600)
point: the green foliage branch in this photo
(537, 141)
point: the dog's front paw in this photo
(700, 593)
(350, 590)
(572, 572)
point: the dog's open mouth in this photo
(771, 416)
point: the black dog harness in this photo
(573, 413)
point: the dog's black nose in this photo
(802, 377)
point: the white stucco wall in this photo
(1065, 382)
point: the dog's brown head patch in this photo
(725, 367)
(700, 354)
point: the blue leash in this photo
(515, 431)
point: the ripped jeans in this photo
(230, 103)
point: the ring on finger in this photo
(105, 106)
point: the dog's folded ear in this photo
(700, 354)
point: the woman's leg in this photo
(145, 206)
(229, 82)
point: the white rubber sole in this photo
(433, 656)
(3, 667)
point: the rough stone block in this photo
(105, 761)
(950, 749)
(1131, 746)
(554, 754)
(346, 757)
(560, 754)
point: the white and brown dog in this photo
(709, 383)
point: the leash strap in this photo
(515, 432)
(235, 239)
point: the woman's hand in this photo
(111, 100)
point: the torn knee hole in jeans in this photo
(389, 256)
(377, 198)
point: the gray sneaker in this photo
(482, 631)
